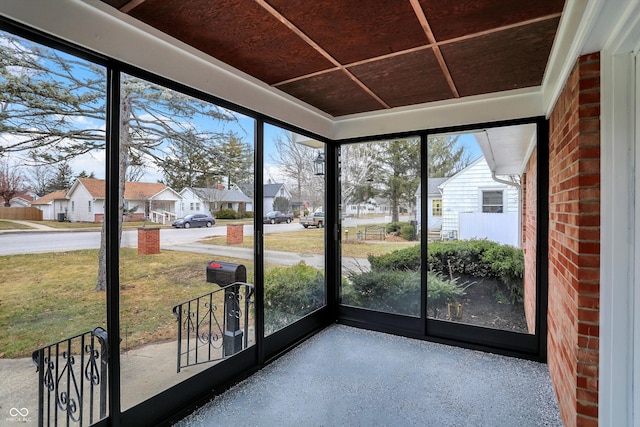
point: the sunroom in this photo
(529, 109)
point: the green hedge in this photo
(227, 214)
(390, 291)
(403, 259)
(402, 229)
(399, 291)
(478, 258)
(291, 293)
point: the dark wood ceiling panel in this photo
(450, 19)
(407, 79)
(357, 29)
(303, 46)
(238, 32)
(333, 92)
(510, 59)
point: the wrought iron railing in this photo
(72, 377)
(205, 334)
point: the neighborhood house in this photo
(472, 205)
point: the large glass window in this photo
(477, 271)
(52, 313)
(294, 233)
(381, 252)
(186, 269)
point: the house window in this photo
(492, 201)
(197, 206)
(73, 206)
(436, 208)
(89, 206)
(191, 206)
(229, 205)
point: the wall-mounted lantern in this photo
(318, 164)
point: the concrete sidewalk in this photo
(270, 257)
(145, 372)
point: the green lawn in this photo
(311, 241)
(10, 225)
(50, 297)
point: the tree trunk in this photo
(123, 161)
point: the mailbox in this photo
(225, 273)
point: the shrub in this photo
(226, 214)
(478, 258)
(481, 258)
(247, 214)
(403, 259)
(390, 291)
(291, 293)
(441, 291)
(408, 232)
(394, 227)
(399, 291)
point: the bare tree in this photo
(11, 181)
(295, 161)
(39, 178)
(53, 109)
(360, 166)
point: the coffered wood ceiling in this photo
(354, 56)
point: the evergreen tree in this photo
(444, 159)
(401, 164)
(63, 178)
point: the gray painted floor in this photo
(351, 377)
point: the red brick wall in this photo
(574, 246)
(234, 234)
(529, 230)
(148, 241)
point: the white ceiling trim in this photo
(463, 111)
(117, 35)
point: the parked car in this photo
(314, 219)
(196, 220)
(276, 217)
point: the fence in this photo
(205, 334)
(27, 214)
(497, 227)
(72, 377)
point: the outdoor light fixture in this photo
(318, 164)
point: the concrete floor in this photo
(347, 376)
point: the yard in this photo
(55, 298)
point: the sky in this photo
(244, 128)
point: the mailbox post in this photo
(224, 274)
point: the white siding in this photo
(463, 193)
(79, 200)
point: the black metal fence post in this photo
(232, 337)
(63, 380)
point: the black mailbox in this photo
(225, 273)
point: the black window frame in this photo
(172, 403)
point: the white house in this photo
(210, 200)
(270, 192)
(434, 204)
(23, 200)
(154, 201)
(52, 204)
(371, 206)
(475, 206)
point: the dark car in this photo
(196, 220)
(276, 217)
